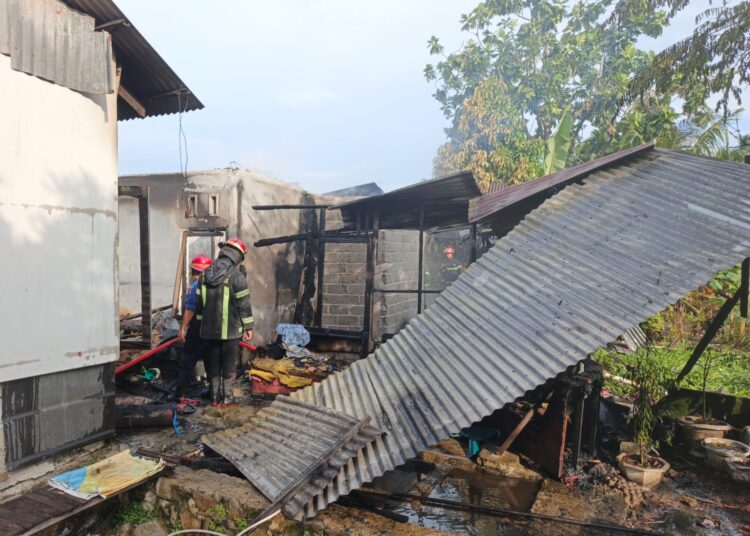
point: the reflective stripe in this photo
(242, 293)
(202, 288)
(225, 314)
(199, 317)
(247, 320)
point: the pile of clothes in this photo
(290, 365)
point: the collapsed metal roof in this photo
(288, 437)
(589, 263)
(144, 73)
(445, 201)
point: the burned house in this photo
(584, 255)
(69, 70)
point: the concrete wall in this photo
(58, 240)
(273, 272)
(58, 226)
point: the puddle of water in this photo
(473, 487)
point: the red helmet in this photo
(237, 244)
(200, 263)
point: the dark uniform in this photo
(224, 313)
(449, 271)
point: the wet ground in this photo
(470, 487)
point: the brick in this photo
(334, 288)
(336, 298)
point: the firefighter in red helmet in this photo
(223, 303)
(189, 334)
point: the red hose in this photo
(164, 346)
(129, 364)
(243, 344)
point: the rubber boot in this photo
(215, 389)
(228, 391)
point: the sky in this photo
(325, 94)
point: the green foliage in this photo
(134, 514)
(558, 146)
(727, 373)
(217, 516)
(714, 59)
(527, 62)
(241, 523)
(650, 376)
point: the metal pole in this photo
(420, 275)
(578, 425)
(318, 320)
(145, 265)
(369, 285)
(473, 250)
(744, 287)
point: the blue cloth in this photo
(293, 334)
(191, 303)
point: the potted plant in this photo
(696, 428)
(649, 378)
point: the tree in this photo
(528, 61)
(713, 60)
(542, 84)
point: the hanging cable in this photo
(181, 137)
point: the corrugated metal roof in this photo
(446, 202)
(504, 207)
(591, 262)
(144, 73)
(285, 439)
(49, 40)
(73, 58)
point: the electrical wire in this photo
(181, 137)
(248, 530)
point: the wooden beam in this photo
(132, 101)
(516, 431)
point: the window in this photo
(192, 206)
(213, 205)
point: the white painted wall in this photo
(58, 227)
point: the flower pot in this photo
(695, 429)
(739, 468)
(719, 449)
(646, 477)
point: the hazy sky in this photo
(326, 93)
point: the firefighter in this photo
(189, 334)
(226, 316)
(451, 268)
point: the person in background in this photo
(451, 268)
(223, 302)
(193, 348)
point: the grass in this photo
(134, 515)
(727, 374)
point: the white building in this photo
(69, 70)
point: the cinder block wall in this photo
(344, 283)
(344, 286)
(397, 269)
